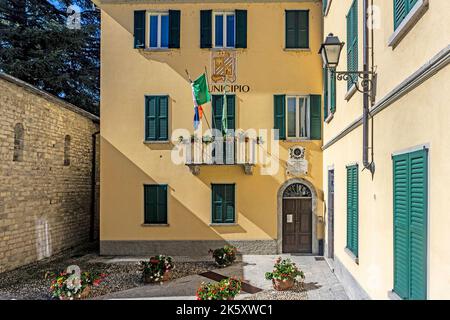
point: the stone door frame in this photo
(284, 186)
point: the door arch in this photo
(298, 198)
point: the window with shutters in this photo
(155, 204)
(352, 42)
(224, 29)
(410, 198)
(223, 203)
(228, 147)
(401, 10)
(352, 209)
(406, 14)
(159, 30)
(297, 117)
(297, 29)
(156, 118)
(329, 93)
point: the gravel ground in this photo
(29, 282)
(296, 293)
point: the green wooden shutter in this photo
(241, 28)
(291, 29)
(174, 28)
(352, 41)
(150, 118)
(400, 11)
(324, 6)
(218, 195)
(161, 204)
(303, 29)
(325, 93)
(155, 204)
(418, 191)
(163, 117)
(315, 117)
(401, 225)
(410, 224)
(279, 115)
(332, 93)
(139, 29)
(229, 204)
(217, 105)
(231, 110)
(206, 29)
(352, 209)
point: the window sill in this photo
(223, 224)
(155, 225)
(350, 93)
(297, 49)
(294, 140)
(352, 255)
(408, 23)
(329, 118)
(160, 49)
(393, 296)
(156, 142)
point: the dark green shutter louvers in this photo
(223, 203)
(279, 115)
(155, 204)
(332, 93)
(241, 28)
(325, 93)
(297, 29)
(401, 10)
(352, 209)
(206, 29)
(316, 117)
(139, 29)
(156, 118)
(174, 28)
(410, 174)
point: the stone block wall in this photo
(45, 203)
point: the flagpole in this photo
(212, 107)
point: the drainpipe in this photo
(93, 185)
(366, 99)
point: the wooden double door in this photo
(297, 225)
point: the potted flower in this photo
(70, 286)
(224, 256)
(157, 269)
(227, 289)
(285, 274)
(208, 139)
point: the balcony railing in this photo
(223, 151)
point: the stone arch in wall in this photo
(314, 196)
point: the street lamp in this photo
(330, 51)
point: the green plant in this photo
(285, 270)
(224, 256)
(223, 290)
(156, 267)
(71, 286)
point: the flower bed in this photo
(285, 274)
(227, 289)
(224, 256)
(157, 269)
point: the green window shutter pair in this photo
(174, 28)
(206, 29)
(325, 92)
(352, 209)
(223, 203)
(155, 204)
(156, 118)
(410, 175)
(401, 10)
(217, 104)
(297, 29)
(352, 42)
(279, 116)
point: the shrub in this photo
(285, 270)
(72, 286)
(156, 268)
(224, 290)
(224, 256)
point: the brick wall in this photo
(45, 206)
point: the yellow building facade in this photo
(264, 54)
(387, 234)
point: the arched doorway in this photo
(297, 201)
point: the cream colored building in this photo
(152, 205)
(387, 235)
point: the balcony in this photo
(228, 151)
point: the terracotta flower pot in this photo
(283, 285)
(166, 277)
(84, 295)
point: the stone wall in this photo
(45, 200)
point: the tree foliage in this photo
(37, 46)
